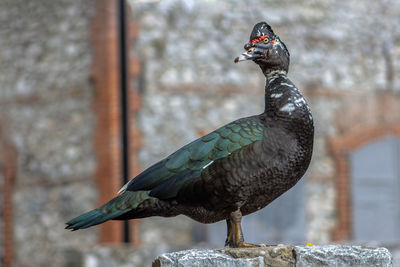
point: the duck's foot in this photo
(249, 245)
(244, 245)
(234, 237)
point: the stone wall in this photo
(279, 256)
(45, 112)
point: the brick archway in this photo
(341, 147)
(8, 169)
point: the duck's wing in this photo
(165, 178)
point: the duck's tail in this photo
(118, 206)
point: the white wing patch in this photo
(123, 189)
(208, 164)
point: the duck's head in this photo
(266, 49)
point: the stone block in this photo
(332, 255)
(279, 256)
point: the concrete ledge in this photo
(279, 256)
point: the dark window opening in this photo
(375, 191)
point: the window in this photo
(375, 191)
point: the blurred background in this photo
(94, 91)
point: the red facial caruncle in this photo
(261, 38)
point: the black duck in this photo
(234, 170)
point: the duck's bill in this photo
(254, 52)
(247, 56)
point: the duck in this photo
(233, 171)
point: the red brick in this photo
(106, 77)
(8, 164)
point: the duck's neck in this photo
(274, 75)
(273, 90)
(283, 99)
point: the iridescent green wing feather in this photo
(116, 207)
(165, 178)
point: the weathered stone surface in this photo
(281, 256)
(206, 258)
(277, 256)
(342, 256)
(271, 256)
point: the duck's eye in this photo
(250, 50)
(266, 40)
